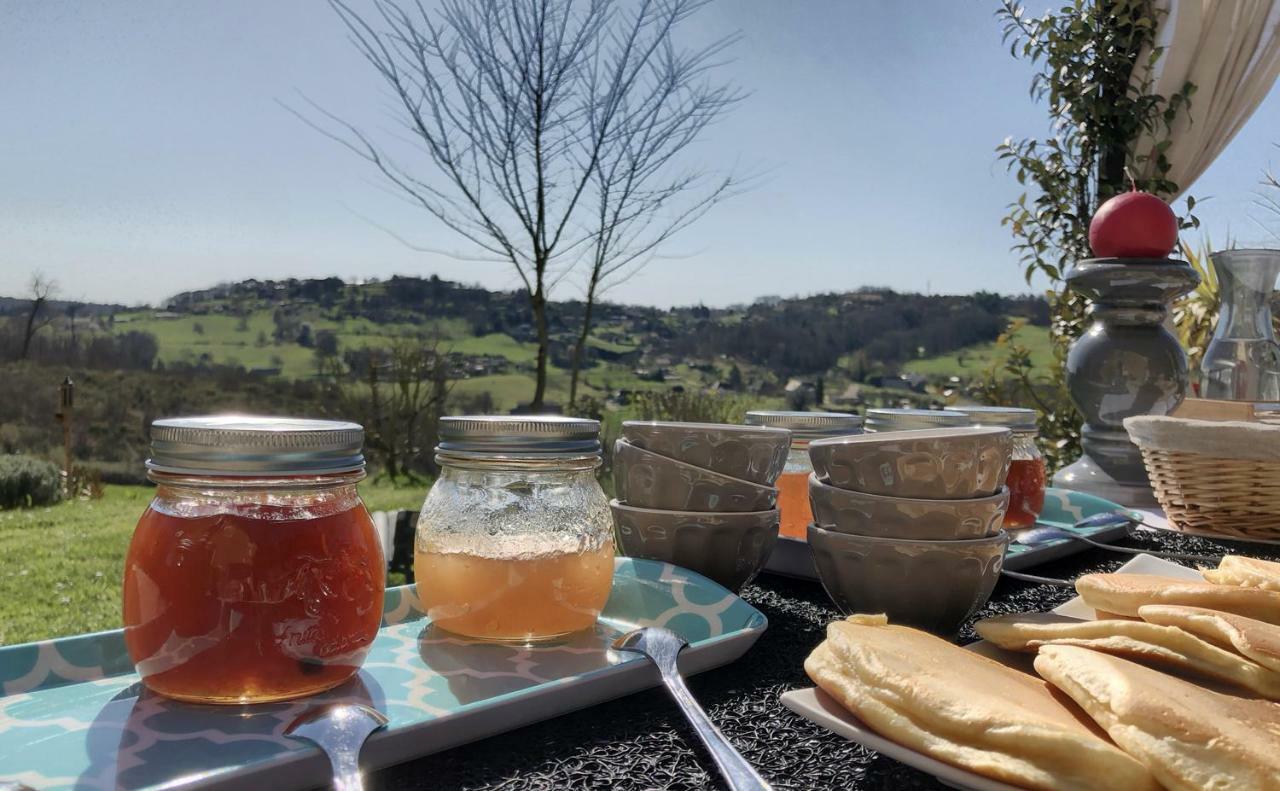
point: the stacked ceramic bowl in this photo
(907, 523)
(699, 495)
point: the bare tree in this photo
(515, 106)
(42, 289)
(641, 198)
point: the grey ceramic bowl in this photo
(648, 480)
(931, 464)
(932, 585)
(729, 548)
(864, 514)
(750, 453)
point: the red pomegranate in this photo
(1133, 224)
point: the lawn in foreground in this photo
(62, 565)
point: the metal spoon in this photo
(1057, 583)
(1044, 534)
(663, 646)
(340, 729)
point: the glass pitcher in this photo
(1242, 362)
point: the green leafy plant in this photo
(1194, 315)
(688, 407)
(1012, 380)
(1100, 103)
(26, 481)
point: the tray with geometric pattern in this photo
(73, 713)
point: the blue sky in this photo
(143, 151)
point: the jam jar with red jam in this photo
(1027, 478)
(256, 573)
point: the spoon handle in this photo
(1038, 580)
(737, 773)
(346, 770)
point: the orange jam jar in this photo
(256, 573)
(793, 484)
(515, 539)
(1027, 477)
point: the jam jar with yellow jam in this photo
(515, 539)
(256, 573)
(793, 484)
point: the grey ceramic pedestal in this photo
(1127, 363)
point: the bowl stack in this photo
(907, 523)
(699, 495)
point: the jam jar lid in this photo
(1016, 418)
(518, 436)
(910, 419)
(253, 445)
(807, 426)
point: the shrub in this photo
(26, 481)
(688, 406)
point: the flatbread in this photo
(1123, 594)
(1247, 572)
(1258, 640)
(970, 711)
(1188, 736)
(1168, 647)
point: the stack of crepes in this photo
(1172, 687)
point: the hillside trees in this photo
(541, 132)
(398, 394)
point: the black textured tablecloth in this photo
(641, 741)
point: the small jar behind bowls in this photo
(793, 485)
(256, 573)
(515, 539)
(882, 420)
(1027, 478)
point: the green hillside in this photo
(973, 360)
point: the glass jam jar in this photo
(1027, 478)
(515, 539)
(256, 573)
(881, 420)
(793, 484)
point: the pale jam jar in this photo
(1027, 477)
(256, 573)
(515, 539)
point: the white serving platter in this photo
(816, 706)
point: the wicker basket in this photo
(1219, 478)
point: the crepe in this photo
(1247, 572)
(1257, 640)
(1167, 646)
(1123, 594)
(956, 706)
(1188, 736)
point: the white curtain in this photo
(1228, 49)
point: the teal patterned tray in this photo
(74, 715)
(1062, 508)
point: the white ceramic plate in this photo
(817, 707)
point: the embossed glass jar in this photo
(1027, 477)
(793, 484)
(515, 538)
(256, 573)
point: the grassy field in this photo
(974, 360)
(63, 564)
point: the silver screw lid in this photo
(1016, 418)
(254, 445)
(908, 419)
(807, 426)
(519, 436)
